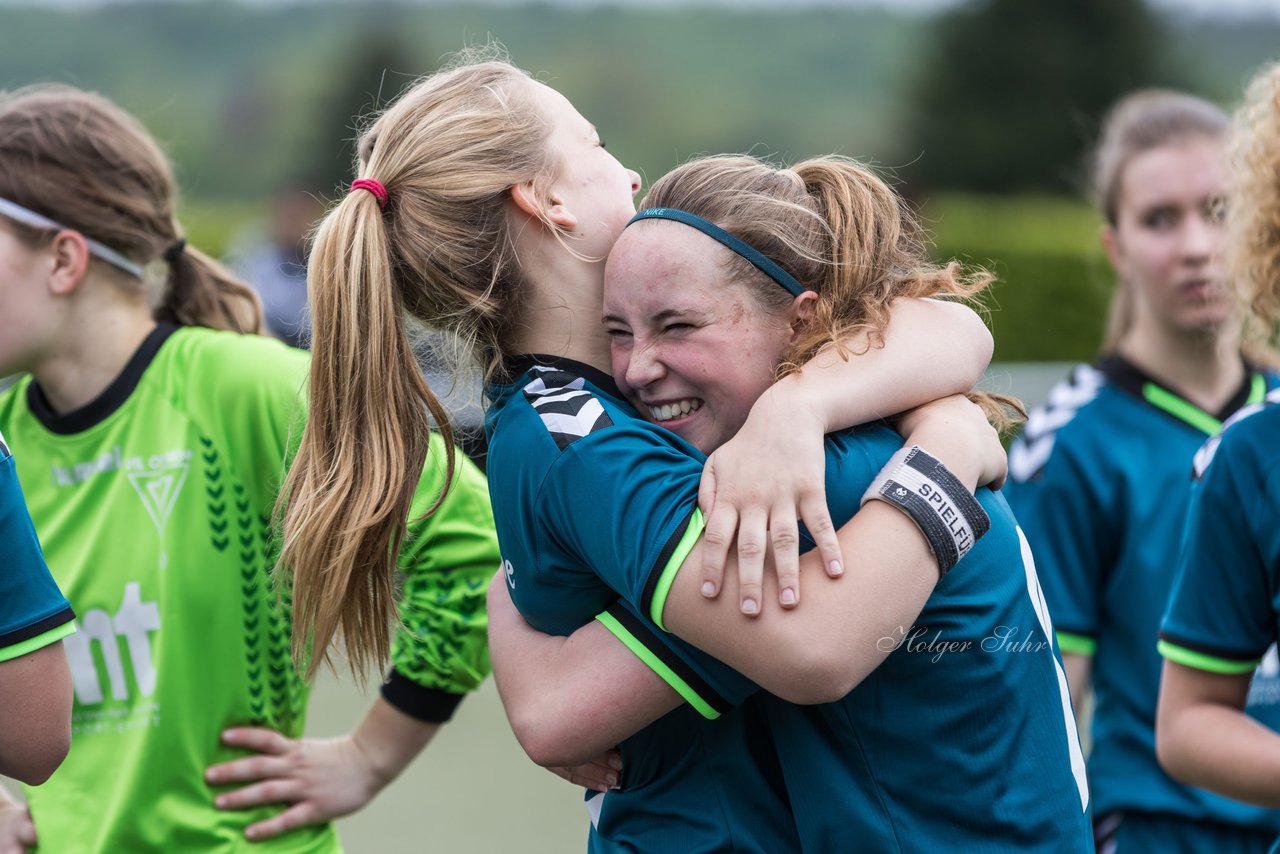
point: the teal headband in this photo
(740, 247)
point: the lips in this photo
(1201, 289)
(676, 409)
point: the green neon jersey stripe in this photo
(1200, 661)
(1258, 391)
(657, 666)
(38, 642)
(1076, 644)
(1179, 408)
(668, 576)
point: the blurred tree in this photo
(1012, 91)
(378, 65)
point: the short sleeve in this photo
(1067, 513)
(707, 684)
(441, 650)
(1221, 615)
(33, 611)
(622, 500)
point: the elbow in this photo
(549, 740)
(37, 762)
(1171, 745)
(1170, 757)
(814, 675)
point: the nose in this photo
(644, 367)
(635, 180)
(1201, 239)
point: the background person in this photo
(1222, 616)
(156, 438)
(274, 261)
(35, 684)
(1098, 477)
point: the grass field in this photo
(471, 790)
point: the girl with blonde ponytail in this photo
(153, 427)
(734, 273)
(496, 204)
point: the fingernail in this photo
(211, 776)
(749, 606)
(220, 802)
(612, 780)
(788, 596)
(708, 589)
(836, 568)
(615, 763)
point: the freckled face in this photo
(690, 347)
(1168, 238)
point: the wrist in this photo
(948, 448)
(379, 770)
(944, 509)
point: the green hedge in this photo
(1050, 299)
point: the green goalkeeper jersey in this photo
(154, 504)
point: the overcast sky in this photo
(1210, 8)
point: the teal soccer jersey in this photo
(33, 611)
(1222, 615)
(592, 503)
(154, 505)
(1100, 481)
(963, 739)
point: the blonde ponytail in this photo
(364, 444)
(447, 152)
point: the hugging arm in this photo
(932, 349)
(570, 698)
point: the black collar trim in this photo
(517, 365)
(113, 396)
(1128, 377)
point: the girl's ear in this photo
(70, 255)
(802, 309)
(552, 210)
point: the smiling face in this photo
(691, 348)
(590, 182)
(1167, 240)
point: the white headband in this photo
(18, 213)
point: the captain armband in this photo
(948, 515)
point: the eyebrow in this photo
(665, 314)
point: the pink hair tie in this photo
(374, 187)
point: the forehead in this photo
(1188, 171)
(664, 262)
